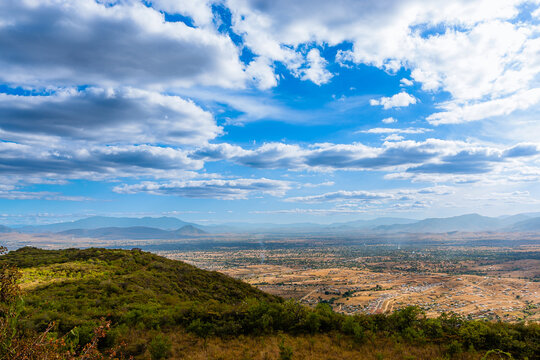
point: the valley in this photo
(479, 275)
(477, 283)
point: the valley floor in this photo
(479, 283)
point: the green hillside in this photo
(161, 308)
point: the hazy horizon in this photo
(18, 225)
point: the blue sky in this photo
(268, 111)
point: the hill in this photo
(469, 222)
(96, 222)
(526, 225)
(162, 308)
(134, 233)
(5, 229)
(189, 230)
(110, 227)
(141, 275)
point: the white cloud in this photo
(310, 185)
(198, 10)
(473, 50)
(406, 82)
(39, 195)
(316, 71)
(126, 43)
(346, 201)
(394, 137)
(401, 99)
(430, 160)
(407, 157)
(215, 189)
(455, 113)
(111, 116)
(319, 212)
(343, 195)
(389, 120)
(80, 161)
(396, 130)
(261, 72)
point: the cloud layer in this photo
(429, 156)
(107, 116)
(147, 94)
(215, 188)
(88, 42)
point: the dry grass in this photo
(304, 347)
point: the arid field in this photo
(479, 283)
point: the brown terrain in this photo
(507, 291)
(439, 273)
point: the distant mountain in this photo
(469, 222)
(368, 224)
(5, 229)
(189, 230)
(117, 233)
(526, 225)
(219, 229)
(513, 219)
(96, 222)
(299, 228)
(134, 233)
(237, 227)
(148, 227)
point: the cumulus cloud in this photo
(102, 78)
(396, 131)
(520, 150)
(311, 185)
(343, 195)
(466, 161)
(268, 155)
(262, 73)
(432, 156)
(394, 137)
(96, 162)
(215, 188)
(316, 70)
(429, 156)
(473, 50)
(319, 212)
(455, 113)
(352, 201)
(389, 120)
(437, 190)
(126, 43)
(513, 197)
(39, 195)
(199, 11)
(401, 99)
(110, 116)
(406, 82)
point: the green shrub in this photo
(285, 351)
(160, 347)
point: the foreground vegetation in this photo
(159, 308)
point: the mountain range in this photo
(95, 222)
(171, 227)
(134, 233)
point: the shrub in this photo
(159, 347)
(285, 351)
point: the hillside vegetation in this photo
(161, 308)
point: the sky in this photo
(268, 111)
